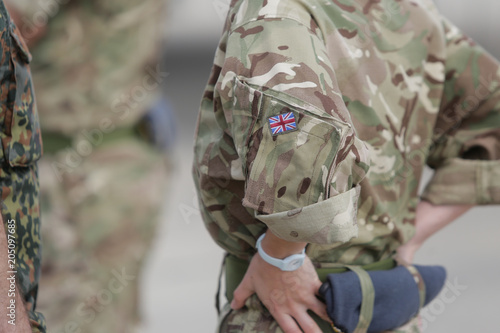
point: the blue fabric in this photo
(434, 278)
(397, 298)
(160, 124)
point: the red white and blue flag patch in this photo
(282, 123)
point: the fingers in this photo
(298, 322)
(306, 322)
(319, 308)
(241, 294)
(287, 295)
(287, 324)
(296, 318)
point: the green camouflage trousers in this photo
(255, 318)
(101, 216)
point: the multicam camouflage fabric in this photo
(255, 318)
(21, 148)
(101, 221)
(114, 40)
(378, 89)
(96, 73)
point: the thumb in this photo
(241, 294)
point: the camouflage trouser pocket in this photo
(252, 318)
(255, 318)
(223, 315)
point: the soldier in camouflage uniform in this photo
(96, 70)
(375, 90)
(19, 187)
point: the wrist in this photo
(279, 248)
(289, 263)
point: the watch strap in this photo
(288, 264)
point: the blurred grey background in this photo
(180, 277)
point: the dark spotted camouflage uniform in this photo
(21, 148)
(377, 89)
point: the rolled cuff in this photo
(461, 182)
(329, 221)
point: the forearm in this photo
(13, 316)
(429, 220)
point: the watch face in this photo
(294, 264)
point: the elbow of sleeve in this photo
(465, 182)
(309, 193)
(303, 166)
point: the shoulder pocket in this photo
(292, 152)
(21, 139)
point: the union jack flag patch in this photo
(282, 123)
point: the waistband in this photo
(54, 142)
(235, 269)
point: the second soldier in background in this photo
(97, 77)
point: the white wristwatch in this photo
(288, 264)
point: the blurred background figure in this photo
(103, 175)
(187, 279)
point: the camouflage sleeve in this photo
(466, 148)
(21, 148)
(298, 151)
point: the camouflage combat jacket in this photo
(97, 64)
(21, 148)
(320, 115)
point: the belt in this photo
(53, 142)
(235, 269)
